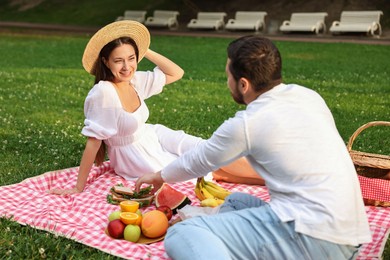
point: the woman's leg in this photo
(175, 141)
(239, 171)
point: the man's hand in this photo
(154, 179)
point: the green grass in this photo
(43, 89)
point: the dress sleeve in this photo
(149, 83)
(102, 110)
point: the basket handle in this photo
(360, 129)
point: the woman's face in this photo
(122, 62)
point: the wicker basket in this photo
(368, 164)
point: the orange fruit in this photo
(139, 221)
(129, 217)
(154, 224)
(129, 206)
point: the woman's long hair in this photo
(104, 73)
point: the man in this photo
(289, 136)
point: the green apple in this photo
(139, 212)
(132, 233)
(114, 215)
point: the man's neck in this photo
(253, 95)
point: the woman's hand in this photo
(91, 148)
(64, 191)
(154, 179)
(172, 71)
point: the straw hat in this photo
(127, 28)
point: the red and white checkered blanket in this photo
(83, 217)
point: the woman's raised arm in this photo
(172, 71)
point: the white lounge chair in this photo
(163, 18)
(208, 20)
(135, 15)
(358, 21)
(305, 22)
(247, 20)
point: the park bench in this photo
(247, 20)
(208, 20)
(305, 22)
(358, 21)
(135, 15)
(163, 18)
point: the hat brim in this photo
(127, 28)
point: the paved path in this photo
(23, 27)
(360, 39)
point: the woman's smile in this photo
(122, 62)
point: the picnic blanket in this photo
(83, 217)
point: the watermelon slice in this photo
(168, 196)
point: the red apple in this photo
(116, 228)
(166, 210)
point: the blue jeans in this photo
(247, 228)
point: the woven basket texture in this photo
(369, 164)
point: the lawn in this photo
(43, 86)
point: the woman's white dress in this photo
(134, 147)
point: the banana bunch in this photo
(209, 193)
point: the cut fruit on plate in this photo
(129, 218)
(129, 206)
(142, 239)
(146, 240)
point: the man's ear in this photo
(244, 85)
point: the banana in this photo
(219, 201)
(210, 202)
(198, 193)
(214, 189)
(217, 193)
(209, 190)
(206, 193)
(216, 186)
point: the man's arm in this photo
(227, 144)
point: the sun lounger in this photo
(163, 18)
(135, 15)
(208, 20)
(358, 21)
(247, 20)
(305, 22)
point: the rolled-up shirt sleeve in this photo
(228, 143)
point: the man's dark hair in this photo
(256, 59)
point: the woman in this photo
(115, 110)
